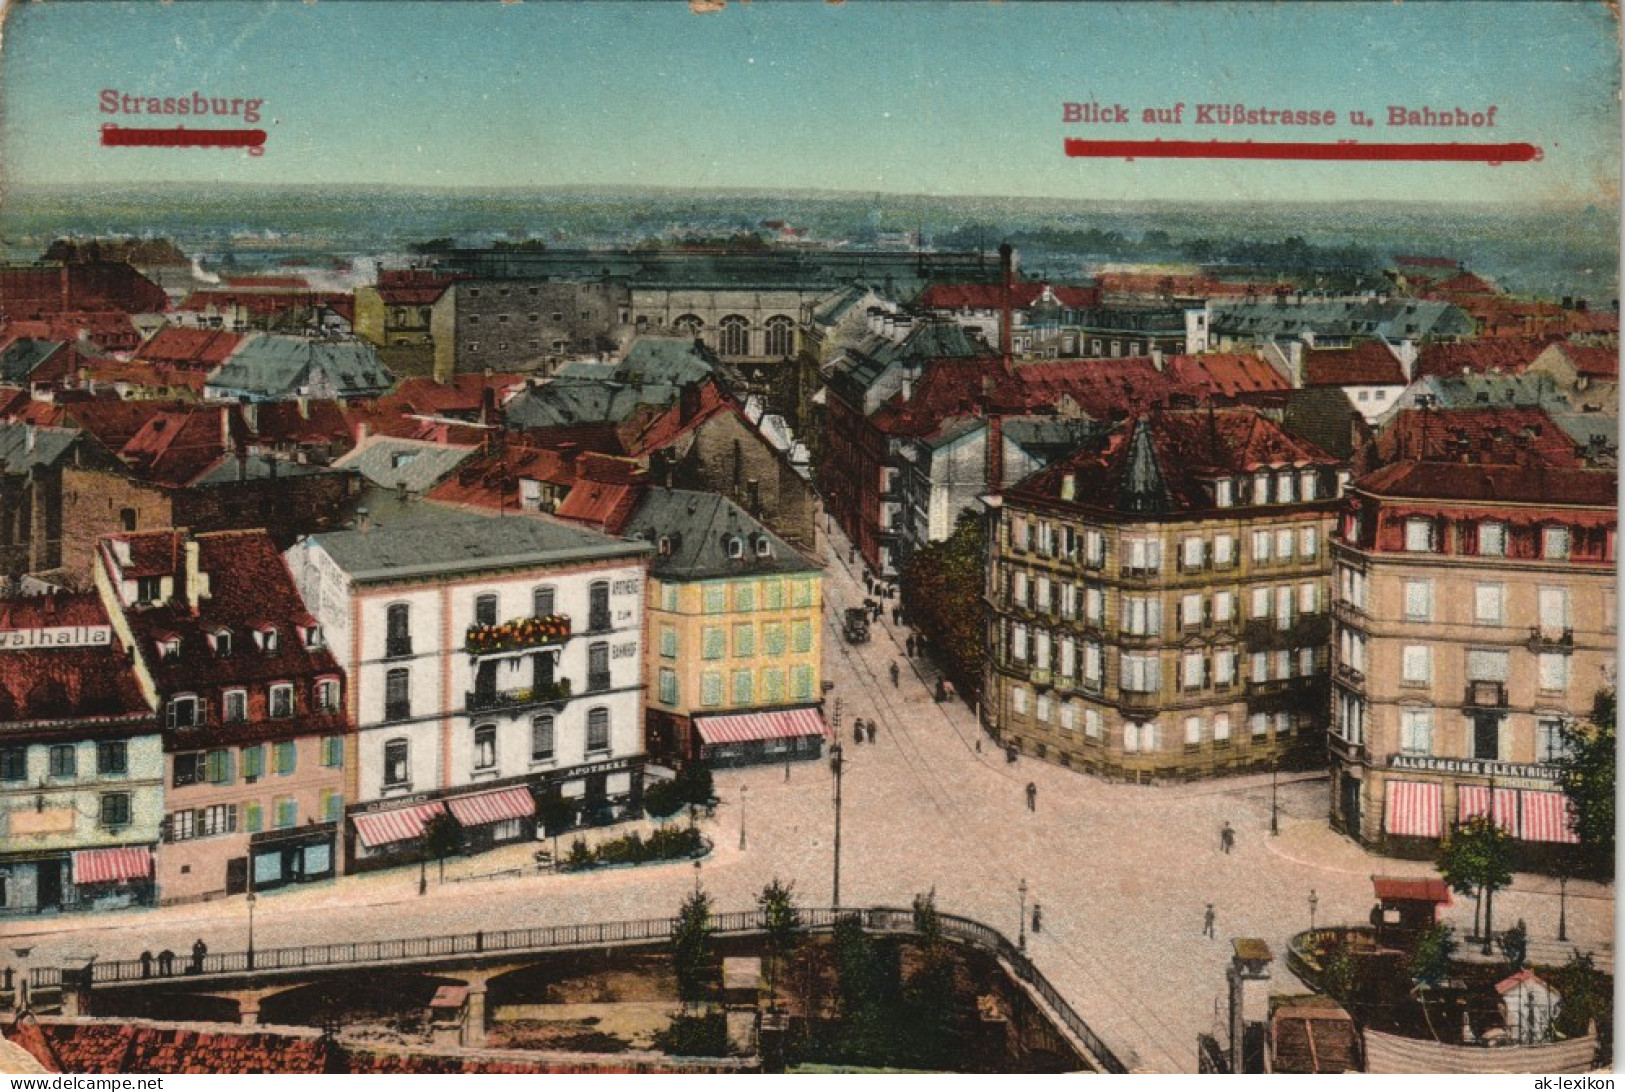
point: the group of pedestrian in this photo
(165, 961)
(862, 728)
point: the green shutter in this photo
(253, 818)
(253, 761)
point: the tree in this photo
(864, 975)
(1587, 776)
(691, 948)
(1477, 856)
(558, 815)
(1514, 945)
(928, 995)
(1587, 996)
(442, 836)
(942, 592)
(1430, 959)
(782, 923)
(696, 784)
(663, 799)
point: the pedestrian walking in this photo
(942, 691)
(1010, 754)
(857, 730)
(851, 555)
(146, 964)
(166, 963)
(948, 684)
(1227, 837)
(909, 645)
(1038, 918)
(871, 731)
(978, 744)
(199, 950)
(896, 674)
(1207, 921)
(1032, 796)
(897, 616)
(877, 610)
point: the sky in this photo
(951, 99)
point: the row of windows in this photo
(1480, 538)
(543, 735)
(1483, 735)
(218, 819)
(1487, 607)
(1141, 615)
(734, 333)
(62, 761)
(543, 604)
(1481, 664)
(1141, 736)
(191, 710)
(715, 686)
(740, 596)
(714, 639)
(222, 765)
(1144, 554)
(266, 639)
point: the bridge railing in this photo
(588, 934)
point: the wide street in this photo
(1123, 871)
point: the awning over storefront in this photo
(1546, 817)
(493, 807)
(1474, 800)
(112, 865)
(1415, 808)
(754, 727)
(378, 828)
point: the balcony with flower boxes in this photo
(517, 636)
(482, 700)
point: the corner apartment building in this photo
(1474, 619)
(1157, 601)
(491, 662)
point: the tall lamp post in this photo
(1275, 768)
(1021, 927)
(836, 765)
(1314, 901)
(251, 911)
(744, 793)
(1563, 906)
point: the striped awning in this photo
(112, 865)
(1415, 808)
(493, 807)
(379, 828)
(1546, 817)
(1474, 800)
(751, 727)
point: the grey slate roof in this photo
(671, 360)
(23, 355)
(1478, 390)
(460, 542)
(697, 526)
(50, 444)
(1047, 439)
(276, 366)
(1394, 319)
(388, 461)
(233, 468)
(583, 401)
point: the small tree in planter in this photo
(442, 836)
(1477, 855)
(1430, 964)
(696, 784)
(663, 799)
(691, 948)
(1514, 945)
(558, 815)
(782, 923)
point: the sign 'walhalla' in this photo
(55, 637)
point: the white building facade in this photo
(496, 668)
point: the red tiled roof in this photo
(653, 427)
(1189, 447)
(1425, 261)
(1593, 362)
(174, 447)
(603, 505)
(1554, 486)
(463, 394)
(267, 280)
(1228, 375)
(1463, 283)
(1364, 363)
(66, 682)
(1499, 435)
(147, 377)
(111, 331)
(249, 588)
(1182, 284)
(188, 347)
(1104, 389)
(985, 297)
(1593, 322)
(1510, 355)
(259, 303)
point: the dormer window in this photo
(1261, 489)
(736, 547)
(665, 545)
(148, 590)
(1223, 494)
(169, 648)
(221, 639)
(313, 637)
(267, 638)
(764, 548)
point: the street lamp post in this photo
(251, 901)
(836, 766)
(1275, 767)
(744, 792)
(1563, 907)
(696, 876)
(423, 870)
(1314, 901)
(1021, 926)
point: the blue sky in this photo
(959, 98)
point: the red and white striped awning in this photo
(493, 807)
(112, 865)
(1474, 800)
(1546, 817)
(751, 727)
(1415, 808)
(378, 828)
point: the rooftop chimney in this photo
(197, 581)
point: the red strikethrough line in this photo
(116, 136)
(1255, 149)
